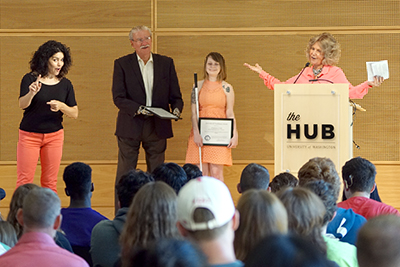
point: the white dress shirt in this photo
(147, 71)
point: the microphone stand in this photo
(307, 64)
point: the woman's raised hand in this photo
(256, 68)
(35, 86)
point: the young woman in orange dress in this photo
(216, 100)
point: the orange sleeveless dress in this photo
(212, 104)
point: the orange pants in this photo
(49, 146)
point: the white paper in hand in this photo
(377, 68)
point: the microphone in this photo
(307, 64)
(195, 80)
(316, 80)
(2, 193)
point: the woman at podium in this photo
(323, 53)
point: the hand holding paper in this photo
(377, 69)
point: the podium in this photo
(311, 120)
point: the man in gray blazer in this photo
(143, 79)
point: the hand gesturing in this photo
(35, 86)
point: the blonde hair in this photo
(330, 48)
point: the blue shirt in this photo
(345, 225)
(77, 223)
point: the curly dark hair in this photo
(78, 180)
(327, 194)
(40, 59)
(282, 180)
(172, 174)
(129, 185)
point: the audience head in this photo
(16, 203)
(286, 250)
(168, 253)
(378, 242)
(359, 175)
(8, 235)
(320, 169)
(129, 185)
(326, 193)
(306, 214)
(172, 174)
(151, 216)
(41, 210)
(206, 209)
(192, 171)
(282, 180)
(78, 180)
(2, 194)
(254, 176)
(330, 48)
(261, 214)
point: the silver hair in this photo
(137, 29)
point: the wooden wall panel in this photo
(252, 14)
(376, 131)
(74, 14)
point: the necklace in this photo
(317, 72)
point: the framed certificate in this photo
(216, 132)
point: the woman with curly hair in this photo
(323, 53)
(45, 96)
(151, 216)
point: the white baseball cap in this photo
(205, 192)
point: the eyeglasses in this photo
(141, 40)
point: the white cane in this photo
(196, 93)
